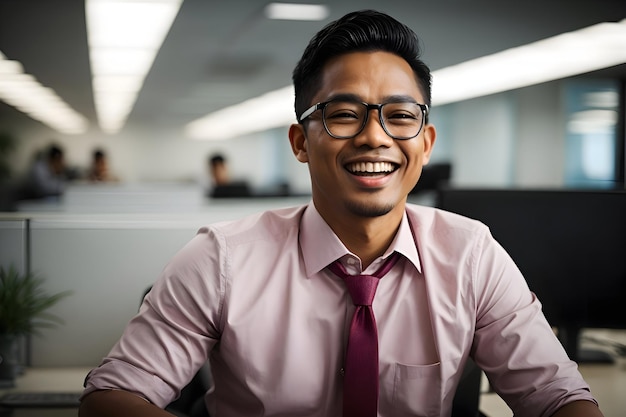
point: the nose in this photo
(373, 133)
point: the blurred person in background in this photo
(218, 170)
(48, 174)
(221, 183)
(99, 170)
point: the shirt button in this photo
(351, 261)
(342, 372)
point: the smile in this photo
(371, 168)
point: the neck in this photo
(368, 237)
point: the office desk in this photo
(46, 380)
(608, 384)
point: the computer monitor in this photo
(569, 244)
(433, 177)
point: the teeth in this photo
(371, 167)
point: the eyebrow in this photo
(396, 98)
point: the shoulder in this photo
(209, 254)
(441, 234)
(435, 221)
(268, 224)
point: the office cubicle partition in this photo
(569, 244)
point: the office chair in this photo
(191, 400)
(467, 397)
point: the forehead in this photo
(372, 76)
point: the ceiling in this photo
(219, 53)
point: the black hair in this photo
(360, 31)
(54, 152)
(98, 154)
(216, 159)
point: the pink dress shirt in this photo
(255, 297)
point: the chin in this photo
(369, 208)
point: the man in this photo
(218, 169)
(263, 299)
(99, 170)
(221, 183)
(48, 175)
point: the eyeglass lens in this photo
(344, 119)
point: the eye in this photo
(402, 112)
(343, 110)
(400, 115)
(342, 114)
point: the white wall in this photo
(540, 142)
(481, 134)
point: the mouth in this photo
(371, 168)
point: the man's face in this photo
(337, 186)
(57, 164)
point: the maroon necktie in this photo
(360, 386)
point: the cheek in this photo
(414, 153)
(323, 150)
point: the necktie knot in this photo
(362, 288)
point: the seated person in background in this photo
(99, 170)
(47, 176)
(222, 185)
(270, 299)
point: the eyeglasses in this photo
(346, 119)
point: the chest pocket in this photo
(417, 390)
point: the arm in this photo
(166, 343)
(579, 409)
(515, 345)
(112, 403)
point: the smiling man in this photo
(357, 304)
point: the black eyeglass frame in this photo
(322, 106)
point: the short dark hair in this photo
(217, 158)
(54, 152)
(98, 154)
(360, 31)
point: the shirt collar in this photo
(320, 246)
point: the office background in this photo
(108, 243)
(218, 54)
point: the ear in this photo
(430, 135)
(297, 138)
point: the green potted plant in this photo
(24, 308)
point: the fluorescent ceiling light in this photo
(124, 37)
(293, 11)
(271, 110)
(589, 49)
(27, 95)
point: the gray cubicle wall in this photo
(14, 242)
(14, 252)
(108, 261)
(107, 264)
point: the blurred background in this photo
(160, 108)
(557, 130)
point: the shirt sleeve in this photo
(178, 324)
(514, 344)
